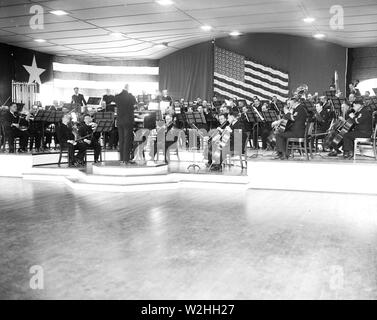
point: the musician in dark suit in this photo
(87, 129)
(78, 99)
(125, 102)
(363, 127)
(13, 123)
(68, 141)
(297, 115)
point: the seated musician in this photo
(362, 117)
(216, 139)
(297, 114)
(88, 129)
(324, 115)
(347, 108)
(15, 126)
(68, 140)
(169, 137)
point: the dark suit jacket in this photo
(64, 134)
(78, 100)
(125, 103)
(300, 116)
(363, 121)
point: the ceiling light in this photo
(319, 36)
(59, 12)
(235, 33)
(116, 34)
(40, 40)
(165, 2)
(206, 28)
(161, 45)
(308, 20)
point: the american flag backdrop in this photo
(243, 78)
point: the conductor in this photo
(125, 102)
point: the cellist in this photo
(362, 118)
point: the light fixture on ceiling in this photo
(319, 35)
(235, 33)
(59, 12)
(40, 40)
(116, 34)
(161, 45)
(206, 27)
(165, 2)
(308, 20)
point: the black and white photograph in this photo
(216, 151)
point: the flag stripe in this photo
(253, 89)
(275, 73)
(239, 90)
(266, 84)
(252, 73)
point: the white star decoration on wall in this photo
(34, 72)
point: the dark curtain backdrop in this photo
(188, 73)
(6, 73)
(363, 64)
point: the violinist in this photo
(69, 139)
(362, 117)
(15, 126)
(87, 129)
(295, 113)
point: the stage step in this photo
(113, 168)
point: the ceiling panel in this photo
(85, 31)
(141, 19)
(121, 11)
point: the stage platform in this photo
(321, 174)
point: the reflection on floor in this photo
(186, 244)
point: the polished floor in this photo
(186, 244)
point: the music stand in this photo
(103, 116)
(104, 126)
(42, 116)
(271, 115)
(337, 103)
(330, 94)
(55, 116)
(181, 119)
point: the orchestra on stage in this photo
(148, 126)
